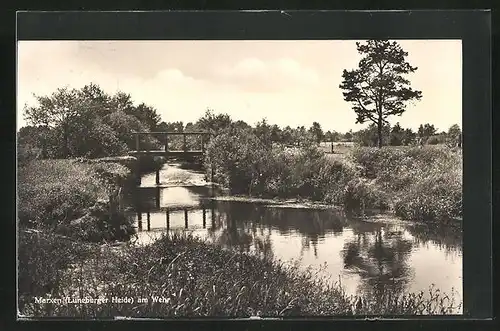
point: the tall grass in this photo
(42, 258)
(195, 278)
(422, 184)
(416, 183)
(73, 198)
(56, 191)
(61, 205)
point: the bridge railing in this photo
(165, 135)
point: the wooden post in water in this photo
(148, 216)
(139, 220)
(186, 218)
(204, 217)
(158, 177)
(157, 200)
(166, 143)
(332, 147)
(213, 216)
(168, 220)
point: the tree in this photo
(242, 125)
(409, 137)
(147, 115)
(397, 135)
(348, 136)
(189, 127)
(369, 136)
(335, 136)
(263, 131)
(378, 88)
(275, 133)
(86, 122)
(287, 136)
(59, 112)
(426, 131)
(316, 132)
(328, 136)
(214, 123)
(454, 136)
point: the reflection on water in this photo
(368, 255)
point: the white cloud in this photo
(255, 75)
(289, 82)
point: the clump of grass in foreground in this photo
(42, 257)
(196, 278)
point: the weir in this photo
(167, 218)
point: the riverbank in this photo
(183, 276)
(418, 184)
(63, 207)
(192, 277)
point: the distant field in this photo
(340, 148)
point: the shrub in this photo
(423, 183)
(148, 164)
(55, 191)
(237, 159)
(361, 195)
(74, 198)
(41, 258)
(27, 153)
(436, 197)
(434, 141)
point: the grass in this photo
(63, 204)
(196, 278)
(421, 184)
(43, 256)
(74, 198)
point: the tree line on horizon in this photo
(91, 123)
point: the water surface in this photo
(372, 254)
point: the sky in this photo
(287, 82)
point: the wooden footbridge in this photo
(166, 152)
(184, 153)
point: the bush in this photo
(417, 183)
(147, 164)
(361, 195)
(74, 198)
(245, 165)
(434, 141)
(423, 183)
(436, 197)
(55, 191)
(41, 258)
(237, 158)
(27, 153)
